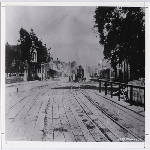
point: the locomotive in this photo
(78, 75)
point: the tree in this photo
(29, 42)
(9, 58)
(17, 55)
(42, 53)
(13, 61)
(26, 44)
(122, 33)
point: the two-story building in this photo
(36, 70)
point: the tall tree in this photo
(42, 52)
(122, 32)
(29, 42)
(26, 44)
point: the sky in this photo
(67, 30)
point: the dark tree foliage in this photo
(42, 54)
(17, 55)
(122, 33)
(9, 57)
(13, 59)
(29, 42)
(25, 45)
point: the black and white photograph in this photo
(75, 73)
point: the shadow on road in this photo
(77, 87)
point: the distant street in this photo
(59, 110)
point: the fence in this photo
(13, 79)
(134, 94)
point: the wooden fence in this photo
(134, 94)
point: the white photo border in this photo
(75, 145)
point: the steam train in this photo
(78, 76)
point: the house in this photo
(36, 70)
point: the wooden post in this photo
(144, 99)
(111, 90)
(105, 87)
(124, 65)
(127, 72)
(119, 93)
(131, 95)
(100, 86)
(127, 93)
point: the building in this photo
(122, 72)
(105, 70)
(56, 68)
(36, 70)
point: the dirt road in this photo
(64, 111)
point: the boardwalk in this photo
(68, 112)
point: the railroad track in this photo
(95, 121)
(126, 112)
(114, 104)
(133, 135)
